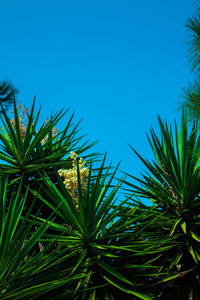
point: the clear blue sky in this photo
(117, 64)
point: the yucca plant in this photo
(15, 239)
(27, 149)
(25, 273)
(106, 237)
(172, 183)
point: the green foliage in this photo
(192, 101)
(97, 235)
(49, 246)
(172, 184)
(191, 94)
(24, 151)
(193, 26)
(91, 244)
(23, 273)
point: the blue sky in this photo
(117, 64)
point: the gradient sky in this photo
(117, 64)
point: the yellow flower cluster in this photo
(70, 177)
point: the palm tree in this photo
(7, 92)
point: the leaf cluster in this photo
(103, 247)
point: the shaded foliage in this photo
(7, 92)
